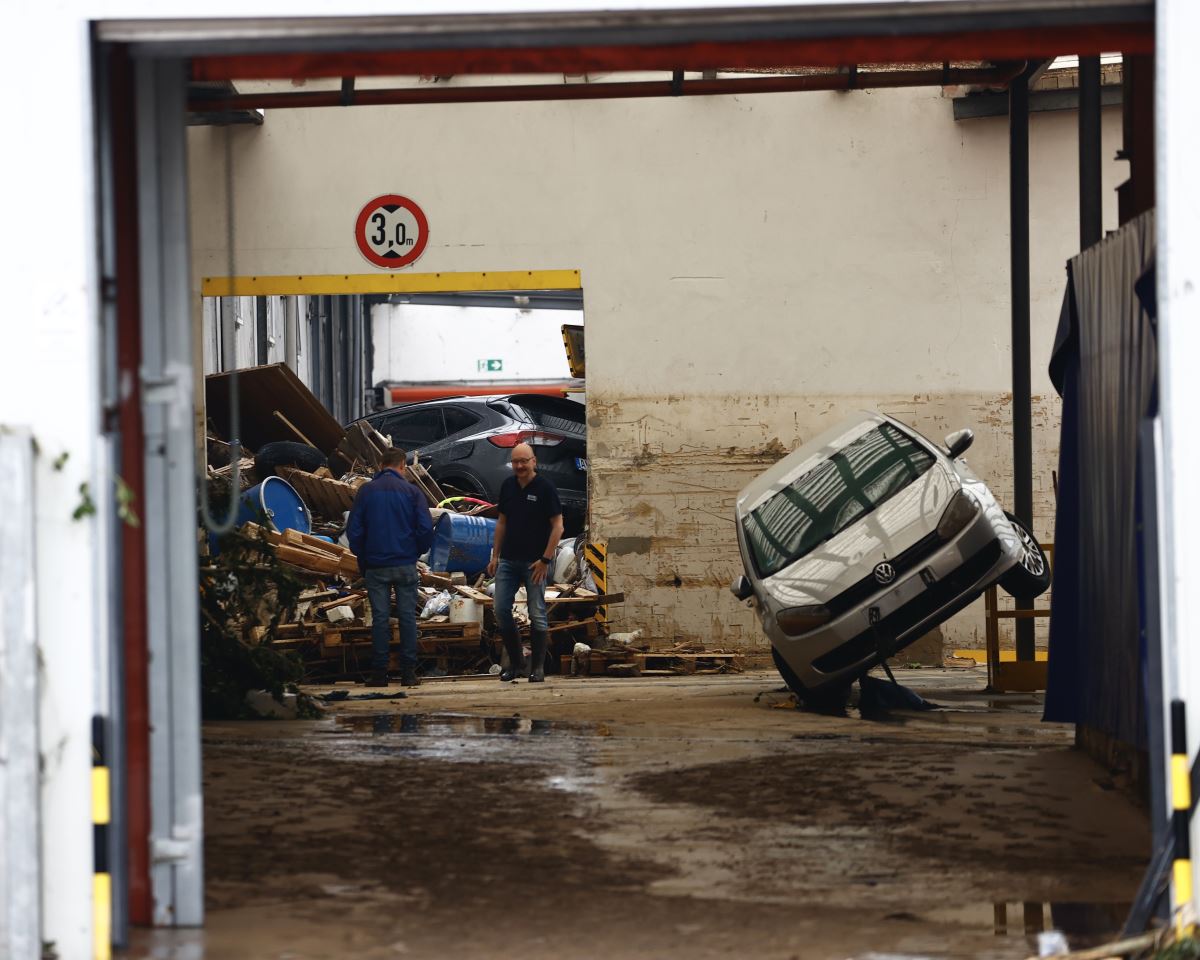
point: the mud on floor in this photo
(640, 819)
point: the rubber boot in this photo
(537, 655)
(516, 659)
(408, 676)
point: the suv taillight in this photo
(535, 438)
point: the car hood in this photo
(852, 554)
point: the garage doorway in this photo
(178, 639)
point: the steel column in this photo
(1090, 202)
(170, 507)
(1022, 410)
(291, 333)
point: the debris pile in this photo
(297, 475)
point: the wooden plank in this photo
(1020, 676)
(353, 597)
(291, 426)
(310, 542)
(472, 594)
(308, 559)
(603, 598)
(438, 580)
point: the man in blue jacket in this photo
(389, 529)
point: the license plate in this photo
(581, 463)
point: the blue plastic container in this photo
(279, 502)
(462, 544)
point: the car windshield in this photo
(831, 496)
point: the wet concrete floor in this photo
(697, 817)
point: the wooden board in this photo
(325, 496)
(684, 663)
(308, 559)
(593, 600)
(262, 391)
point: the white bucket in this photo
(464, 610)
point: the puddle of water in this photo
(460, 724)
(1083, 924)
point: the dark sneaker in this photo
(409, 678)
(377, 679)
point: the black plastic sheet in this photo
(1103, 365)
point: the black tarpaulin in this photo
(1103, 366)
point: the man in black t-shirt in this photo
(527, 533)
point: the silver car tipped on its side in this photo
(864, 539)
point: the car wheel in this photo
(287, 453)
(458, 485)
(830, 699)
(1031, 576)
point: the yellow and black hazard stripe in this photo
(1181, 810)
(101, 817)
(595, 555)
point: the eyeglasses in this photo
(522, 460)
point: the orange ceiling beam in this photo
(990, 45)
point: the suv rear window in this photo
(823, 502)
(552, 413)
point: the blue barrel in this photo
(275, 502)
(462, 544)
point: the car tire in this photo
(464, 485)
(830, 699)
(287, 453)
(1030, 578)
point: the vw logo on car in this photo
(885, 572)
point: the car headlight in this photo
(961, 510)
(797, 620)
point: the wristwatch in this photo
(547, 561)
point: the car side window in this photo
(416, 429)
(458, 420)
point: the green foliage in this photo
(1186, 949)
(125, 498)
(243, 584)
(86, 506)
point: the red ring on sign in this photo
(360, 231)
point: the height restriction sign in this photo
(391, 231)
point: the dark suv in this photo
(466, 442)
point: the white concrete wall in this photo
(753, 267)
(417, 343)
(49, 383)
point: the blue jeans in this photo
(381, 581)
(510, 574)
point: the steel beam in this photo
(1090, 202)
(170, 508)
(1022, 408)
(976, 106)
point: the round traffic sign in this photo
(391, 231)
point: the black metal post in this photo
(1018, 193)
(1090, 204)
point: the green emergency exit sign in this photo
(490, 366)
